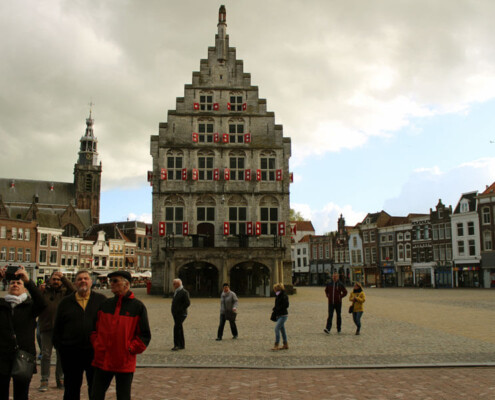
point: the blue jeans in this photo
(280, 327)
(356, 316)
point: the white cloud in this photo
(146, 217)
(426, 186)
(325, 219)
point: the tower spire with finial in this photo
(221, 42)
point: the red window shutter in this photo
(291, 175)
(195, 174)
(150, 177)
(149, 230)
(161, 228)
(247, 138)
(249, 228)
(281, 229)
(195, 137)
(228, 106)
(184, 174)
(244, 106)
(216, 106)
(216, 174)
(247, 175)
(163, 174)
(226, 228)
(216, 137)
(225, 138)
(258, 174)
(294, 229)
(185, 228)
(278, 175)
(258, 228)
(196, 106)
(226, 174)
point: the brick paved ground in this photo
(401, 327)
(307, 384)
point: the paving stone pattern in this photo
(401, 328)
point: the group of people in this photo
(100, 336)
(92, 334)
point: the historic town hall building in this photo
(220, 184)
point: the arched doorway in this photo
(250, 279)
(206, 234)
(200, 279)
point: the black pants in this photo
(179, 340)
(76, 361)
(233, 327)
(21, 388)
(337, 307)
(101, 382)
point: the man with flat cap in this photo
(122, 331)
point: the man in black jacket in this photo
(179, 312)
(76, 316)
(335, 292)
(58, 287)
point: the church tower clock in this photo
(87, 173)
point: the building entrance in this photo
(250, 279)
(200, 279)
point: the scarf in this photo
(357, 290)
(15, 300)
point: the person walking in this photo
(335, 292)
(280, 314)
(74, 322)
(228, 311)
(180, 303)
(18, 314)
(122, 331)
(58, 287)
(357, 298)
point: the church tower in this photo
(87, 173)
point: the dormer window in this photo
(464, 206)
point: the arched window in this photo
(70, 231)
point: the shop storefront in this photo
(371, 276)
(423, 274)
(357, 275)
(467, 276)
(388, 275)
(443, 276)
(488, 269)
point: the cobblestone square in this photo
(402, 328)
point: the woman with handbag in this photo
(18, 313)
(357, 298)
(280, 315)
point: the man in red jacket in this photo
(122, 331)
(335, 292)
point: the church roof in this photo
(48, 192)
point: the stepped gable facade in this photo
(221, 184)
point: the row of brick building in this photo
(443, 248)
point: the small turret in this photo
(221, 40)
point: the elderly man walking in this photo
(122, 331)
(58, 287)
(180, 303)
(74, 322)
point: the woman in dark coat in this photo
(19, 311)
(281, 315)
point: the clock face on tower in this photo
(89, 156)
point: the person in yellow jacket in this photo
(357, 298)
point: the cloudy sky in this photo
(390, 104)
